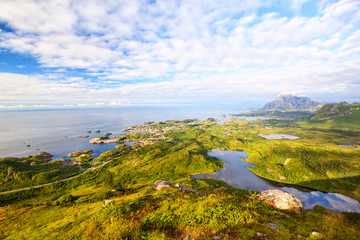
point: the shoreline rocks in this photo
(98, 140)
(282, 200)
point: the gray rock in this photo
(107, 201)
(314, 233)
(183, 188)
(160, 184)
(274, 226)
(282, 200)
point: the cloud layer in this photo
(120, 52)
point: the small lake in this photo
(348, 146)
(238, 175)
(349, 142)
(278, 136)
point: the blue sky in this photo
(77, 53)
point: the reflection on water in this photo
(238, 175)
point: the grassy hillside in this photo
(340, 111)
(340, 116)
(171, 214)
(173, 151)
(33, 170)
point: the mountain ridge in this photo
(336, 110)
(290, 102)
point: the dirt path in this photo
(62, 180)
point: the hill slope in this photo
(289, 102)
(336, 110)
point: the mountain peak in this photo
(289, 102)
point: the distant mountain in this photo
(291, 103)
(339, 110)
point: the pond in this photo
(350, 142)
(348, 146)
(278, 136)
(238, 175)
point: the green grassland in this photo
(75, 209)
(30, 171)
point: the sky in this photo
(105, 53)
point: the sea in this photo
(24, 133)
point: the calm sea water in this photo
(58, 131)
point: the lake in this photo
(278, 136)
(238, 175)
(58, 131)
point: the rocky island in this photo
(101, 140)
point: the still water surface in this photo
(58, 131)
(238, 175)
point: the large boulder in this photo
(281, 200)
(160, 184)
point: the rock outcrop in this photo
(274, 226)
(100, 140)
(183, 188)
(160, 184)
(282, 200)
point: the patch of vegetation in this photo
(78, 153)
(30, 171)
(103, 138)
(289, 115)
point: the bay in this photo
(58, 131)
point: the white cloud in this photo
(179, 49)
